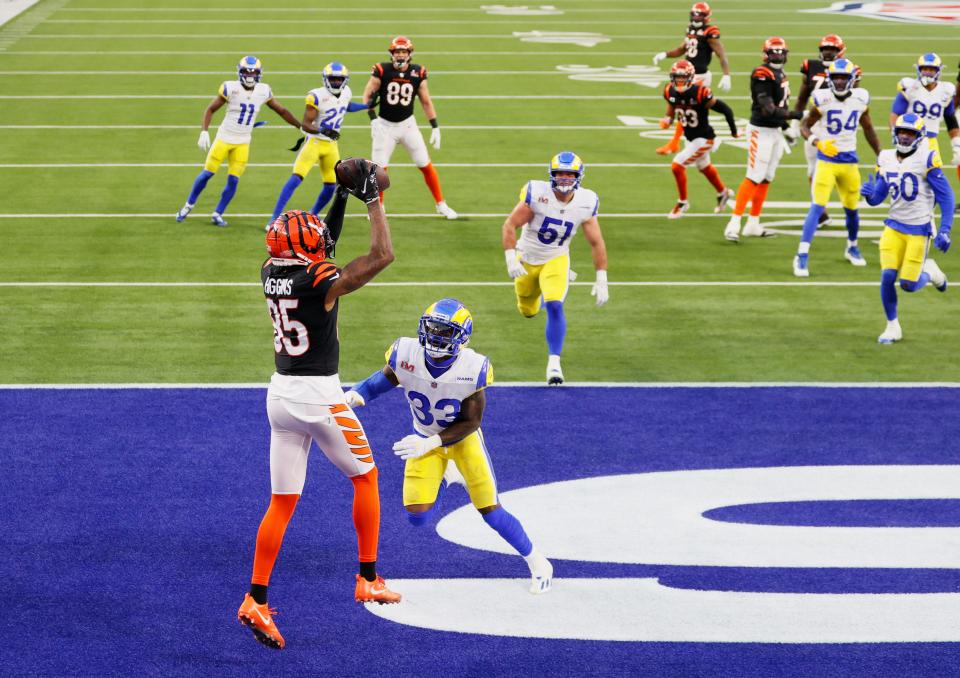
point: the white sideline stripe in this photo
(408, 215)
(420, 52)
(454, 283)
(527, 384)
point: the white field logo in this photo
(658, 519)
(910, 12)
(581, 38)
(646, 76)
(650, 129)
(521, 10)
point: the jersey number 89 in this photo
(399, 93)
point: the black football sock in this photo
(369, 571)
(259, 593)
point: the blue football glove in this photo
(942, 241)
(260, 124)
(869, 186)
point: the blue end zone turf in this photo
(130, 518)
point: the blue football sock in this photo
(508, 527)
(888, 292)
(810, 223)
(418, 519)
(323, 198)
(285, 194)
(199, 184)
(556, 327)
(228, 192)
(853, 223)
(915, 286)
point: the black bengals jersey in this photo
(699, 52)
(398, 89)
(814, 73)
(305, 340)
(691, 110)
(773, 83)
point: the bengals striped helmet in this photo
(298, 237)
(699, 14)
(831, 47)
(401, 42)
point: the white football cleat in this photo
(891, 334)
(723, 199)
(732, 231)
(554, 373)
(937, 277)
(852, 254)
(445, 209)
(753, 229)
(679, 209)
(217, 220)
(541, 573)
(184, 211)
(800, 266)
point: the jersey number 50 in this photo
(906, 189)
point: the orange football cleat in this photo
(259, 619)
(667, 149)
(375, 591)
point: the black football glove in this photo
(367, 188)
(330, 133)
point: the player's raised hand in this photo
(658, 57)
(869, 186)
(414, 446)
(354, 399)
(515, 267)
(204, 141)
(600, 289)
(435, 138)
(942, 241)
(724, 83)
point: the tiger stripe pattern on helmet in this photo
(299, 236)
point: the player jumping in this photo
(691, 103)
(445, 385)
(911, 175)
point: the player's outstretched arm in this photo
(521, 214)
(290, 118)
(717, 48)
(727, 113)
(369, 96)
(374, 386)
(675, 52)
(869, 132)
(591, 231)
(215, 104)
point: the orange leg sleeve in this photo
(433, 182)
(270, 535)
(366, 514)
(680, 174)
(744, 193)
(759, 195)
(713, 176)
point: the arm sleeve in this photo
(899, 104)
(355, 106)
(880, 190)
(727, 112)
(373, 386)
(334, 218)
(944, 197)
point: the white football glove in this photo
(658, 57)
(600, 290)
(414, 447)
(955, 146)
(204, 141)
(724, 83)
(435, 138)
(515, 267)
(354, 399)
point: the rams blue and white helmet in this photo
(841, 76)
(249, 71)
(908, 132)
(335, 77)
(566, 161)
(926, 62)
(445, 328)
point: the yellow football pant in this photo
(236, 155)
(903, 252)
(845, 176)
(421, 477)
(550, 280)
(318, 151)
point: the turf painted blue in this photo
(129, 519)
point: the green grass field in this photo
(101, 113)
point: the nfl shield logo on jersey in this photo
(932, 12)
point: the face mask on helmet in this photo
(906, 140)
(401, 57)
(564, 181)
(776, 58)
(249, 71)
(441, 339)
(829, 54)
(697, 19)
(928, 74)
(334, 83)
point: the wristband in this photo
(433, 123)
(602, 276)
(372, 113)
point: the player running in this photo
(326, 107)
(691, 103)
(911, 175)
(930, 99)
(836, 112)
(814, 73)
(699, 45)
(769, 113)
(550, 212)
(305, 401)
(445, 383)
(244, 99)
(395, 84)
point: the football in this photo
(349, 174)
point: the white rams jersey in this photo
(911, 196)
(840, 118)
(243, 106)
(929, 105)
(554, 223)
(332, 107)
(435, 401)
